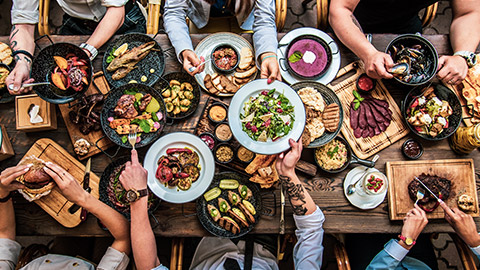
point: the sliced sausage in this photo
(362, 118)
(370, 119)
(354, 116)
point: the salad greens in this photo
(266, 116)
(110, 56)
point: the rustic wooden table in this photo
(173, 220)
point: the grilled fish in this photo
(130, 58)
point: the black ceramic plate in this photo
(443, 93)
(181, 77)
(205, 218)
(110, 104)
(44, 64)
(155, 60)
(329, 97)
(103, 189)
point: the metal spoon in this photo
(351, 188)
(29, 85)
(192, 69)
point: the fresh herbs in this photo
(358, 99)
(295, 57)
(131, 91)
(124, 139)
(333, 152)
(110, 56)
(144, 125)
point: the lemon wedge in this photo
(153, 106)
(121, 50)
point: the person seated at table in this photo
(394, 255)
(349, 17)
(100, 19)
(116, 256)
(256, 15)
(216, 253)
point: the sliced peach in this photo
(61, 62)
(57, 81)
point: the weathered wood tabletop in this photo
(326, 190)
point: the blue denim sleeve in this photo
(176, 26)
(264, 28)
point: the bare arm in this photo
(21, 38)
(114, 221)
(110, 23)
(464, 36)
(348, 30)
(143, 240)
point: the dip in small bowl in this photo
(225, 58)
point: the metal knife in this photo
(282, 210)
(86, 186)
(435, 196)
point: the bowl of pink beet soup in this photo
(308, 57)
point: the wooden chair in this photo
(341, 256)
(322, 14)
(176, 259)
(43, 9)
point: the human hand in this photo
(377, 64)
(19, 75)
(8, 176)
(269, 68)
(452, 69)
(190, 59)
(69, 187)
(134, 175)
(413, 223)
(286, 162)
(463, 225)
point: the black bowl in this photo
(408, 40)
(219, 69)
(111, 102)
(44, 64)
(443, 93)
(181, 77)
(215, 153)
(315, 39)
(217, 104)
(420, 153)
(374, 83)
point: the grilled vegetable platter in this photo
(230, 207)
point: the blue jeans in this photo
(134, 22)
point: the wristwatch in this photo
(407, 240)
(470, 57)
(133, 195)
(93, 51)
(2, 200)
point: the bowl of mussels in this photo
(415, 58)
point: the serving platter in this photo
(155, 61)
(55, 204)
(332, 70)
(209, 224)
(366, 147)
(460, 171)
(252, 89)
(99, 86)
(179, 140)
(204, 48)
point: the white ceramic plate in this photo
(205, 48)
(331, 72)
(366, 201)
(179, 140)
(252, 89)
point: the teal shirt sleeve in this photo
(390, 257)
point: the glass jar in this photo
(465, 139)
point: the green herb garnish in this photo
(110, 56)
(333, 152)
(295, 57)
(144, 125)
(358, 99)
(124, 139)
(130, 92)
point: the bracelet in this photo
(2, 200)
(269, 56)
(23, 52)
(93, 51)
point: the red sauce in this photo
(365, 83)
(225, 58)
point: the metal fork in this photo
(132, 137)
(420, 195)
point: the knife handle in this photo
(83, 214)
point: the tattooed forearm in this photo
(296, 194)
(27, 59)
(355, 21)
(13, 44)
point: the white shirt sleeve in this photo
(9, 252)
(113, 260)
(24, 12)
(308, 251)
(394, 249)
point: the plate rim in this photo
(270, 148)
(203, 149)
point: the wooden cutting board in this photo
(55, 204)
(99, 85)
(366, 147)
(400, 173)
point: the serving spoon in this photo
(351, 188)
(29, 85)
